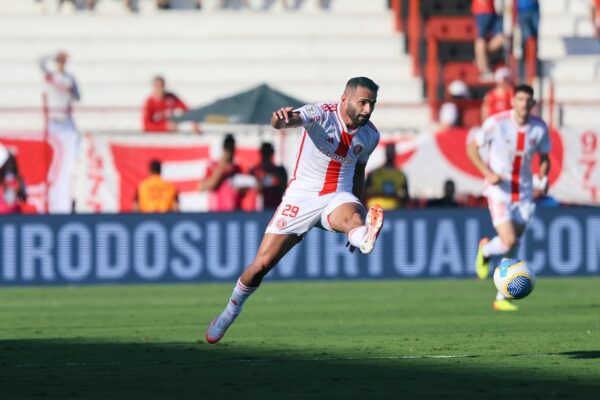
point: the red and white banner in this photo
(110, 166)
(113, 165)
(430, 159)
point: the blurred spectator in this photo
(271, 179)
(236, 4)
(498, 99)
(448, 199)
(74, 4)
(131, 5)
(387, 185)
(296, 4)
(13, 195)
(528, 13)
(160, 107)
(60, 91)
(595, 13)
(224, 194)
(450, 114)
(154, 194)
(163, 4)
(490, 37)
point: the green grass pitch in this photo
(319, 340)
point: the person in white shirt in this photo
(324, 191)
(510, 139)
(60, 92)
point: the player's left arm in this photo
(358, 181)
(543, 172)
(543, 149)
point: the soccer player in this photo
(511, 139)
(325, 188)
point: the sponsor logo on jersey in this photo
(334, 156)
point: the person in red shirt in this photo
(498, 99)
(490, 36)
(160, 107)
(595, 12)
(224, 194)
(271, 179)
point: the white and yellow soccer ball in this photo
(514, 279)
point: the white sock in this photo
(240, 294)
(356, 235)
(495, 247)
(499, 296)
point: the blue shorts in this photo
(488, 25)
(529, 22)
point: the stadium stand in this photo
(571, 60)
(439, 40)
(116, 54)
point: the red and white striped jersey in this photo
(510, 149)
(328, 153)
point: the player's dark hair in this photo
(229, 142)
(155, 167)
(362, 81)
(524, 88)
(159, 78)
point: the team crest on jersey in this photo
(281, 223)
(311, 109)
(357, 149)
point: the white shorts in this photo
(297, 214)
(520, 212)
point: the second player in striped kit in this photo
(510, 139)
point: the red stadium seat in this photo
(465, 71)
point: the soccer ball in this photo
(514, 279)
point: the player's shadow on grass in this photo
(582, 354)
(71, 368)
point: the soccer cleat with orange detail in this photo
(374, 222)
(217, 328)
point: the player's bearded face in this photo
(360, 105)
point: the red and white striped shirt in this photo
(510, 149)
(328, 151)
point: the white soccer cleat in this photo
(373, 223)
(217, 328)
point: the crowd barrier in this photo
(202, 247)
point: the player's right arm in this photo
(286, 117)
(473, 153)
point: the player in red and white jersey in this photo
(510, 139)
(329, 151)
(325, 188)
